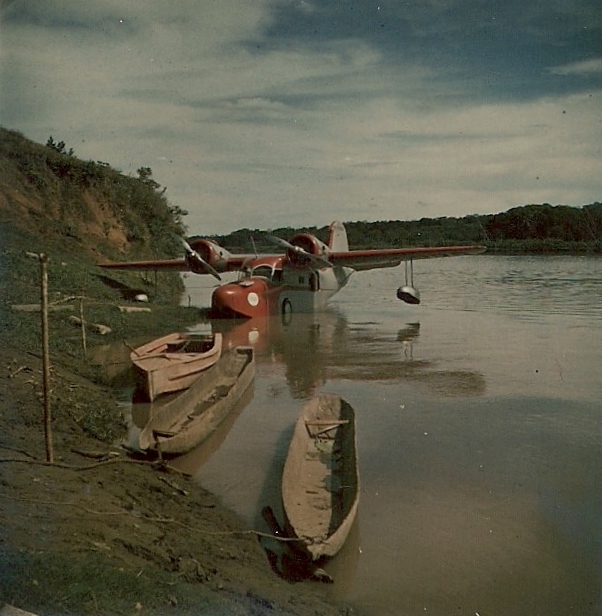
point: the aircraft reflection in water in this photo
(307, 351)
(315, 348)
(311, 349)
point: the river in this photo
(479, 433)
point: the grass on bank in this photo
(73, 274)
(116, 590)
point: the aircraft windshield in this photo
(265, 271)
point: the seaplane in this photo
(302, 278)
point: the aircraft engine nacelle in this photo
(212, 253)
(305, 243)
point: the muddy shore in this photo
(101, 532)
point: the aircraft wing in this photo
(233, 264)
(391, 257)
(177, 265)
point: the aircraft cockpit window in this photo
(265, 271)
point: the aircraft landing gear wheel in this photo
(286, 311)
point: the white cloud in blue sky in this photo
(273, 113)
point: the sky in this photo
(263, 114)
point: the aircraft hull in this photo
(296, 292)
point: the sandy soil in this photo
(100, 532)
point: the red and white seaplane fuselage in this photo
(302, 279)
(272, 288)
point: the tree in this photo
(145, 175)
(58, 147)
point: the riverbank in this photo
(99, 532)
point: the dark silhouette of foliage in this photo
(548, 224)
(530, 228)
(58, 147)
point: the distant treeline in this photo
(531, 228)
(62, 194)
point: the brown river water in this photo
(479, 421)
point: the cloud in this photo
(585, 67)
(265, 114)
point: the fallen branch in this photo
(158, 519)
(16, 449)
(19, 369)
(98, 328)
(174, 486)
(71, 467)
(37, 307)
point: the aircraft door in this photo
(286, 311)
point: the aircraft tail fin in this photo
(338, 238)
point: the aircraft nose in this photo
(236, 300)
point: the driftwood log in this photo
(37, 307)
(95, 327)
(134, 309)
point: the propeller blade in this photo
(187, 247)
(324, 261)
(193, 254)
(212, 270)
(299, 250)
(283, 243)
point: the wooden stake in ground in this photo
(46, 357)
(81, 316)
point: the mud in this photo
(98, 531)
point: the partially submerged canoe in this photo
(174, 362)
(186, 420)
(320, 481)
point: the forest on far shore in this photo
(541, 228)
(46, 189)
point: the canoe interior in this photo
(184, 421)
(320, 481)
(191, 345)
(178, 342)
(172, 363)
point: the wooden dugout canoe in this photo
(188, 419)
(173, 362)
(320, 481)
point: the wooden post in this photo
(81, 314)
(81, 318)
(46, 358)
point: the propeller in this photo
(193, 255)
(300, 251)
